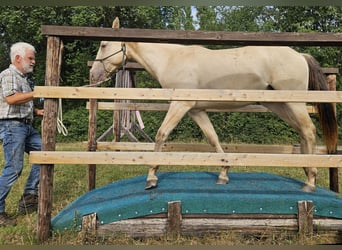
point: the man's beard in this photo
(27, 67)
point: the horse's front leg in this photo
(176, 112)
(203, 121)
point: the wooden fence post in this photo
(333, 172)
(305, 218)
(92, 144)
(174, 219)
(53, 67)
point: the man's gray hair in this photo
(20, 49)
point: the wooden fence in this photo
(55, 36)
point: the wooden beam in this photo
(195, 37)
(204, 225)
(330, 70)
(165, 107)
(218, 95)
(186, 159)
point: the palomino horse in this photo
(252, 68)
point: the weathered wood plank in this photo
(195, 37)
(146, 227)
(327, 224)
(206, 225)
(134, 228)
(143, 227)
(165, 107)
(186, 159)
(200, 224)
(326, 70)
(197, 147)
(218, 95)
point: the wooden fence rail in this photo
(215, 95)
(187, 159)
(195, 37)
(165, 107)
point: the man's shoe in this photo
(28, 203)
(6, 221)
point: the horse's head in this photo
(110, 57)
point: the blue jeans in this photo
(18, 138)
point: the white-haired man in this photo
(16, 131)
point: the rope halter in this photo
(123, 62)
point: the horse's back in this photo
(251, 67)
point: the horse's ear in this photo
(116, 23)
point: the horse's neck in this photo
(152, 56)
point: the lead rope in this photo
(60, 126)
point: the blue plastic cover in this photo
(246, 193)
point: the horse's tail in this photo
(326, 111)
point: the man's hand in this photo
(39, 112)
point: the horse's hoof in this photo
(221, 181)
(151, 184)
(308, 188)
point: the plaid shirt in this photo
(12, 81)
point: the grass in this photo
(70, 182)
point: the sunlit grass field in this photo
(71, 181)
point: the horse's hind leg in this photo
(203, 121)
(296, 115)
(176, 112)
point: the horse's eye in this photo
(103, 46)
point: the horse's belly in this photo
(236, 81)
